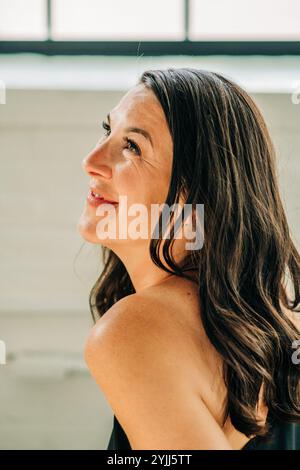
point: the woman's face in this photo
(128, 164)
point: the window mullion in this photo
(49, 19)
(186, 18)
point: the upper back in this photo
(180, 299)
(175, 312)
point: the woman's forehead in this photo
(141, 108)
(141, 103)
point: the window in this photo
(159, 27)
(117, 20)
(253, 20)
(21, 19)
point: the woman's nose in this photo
(96, 163)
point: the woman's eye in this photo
(106, 127)
(133, 146)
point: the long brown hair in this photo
(224, 158)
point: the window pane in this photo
(117, 19)
(23, 19)
(245, 20)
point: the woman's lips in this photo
(95, 201)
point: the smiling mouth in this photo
(96, 199)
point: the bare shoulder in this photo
(143, 358)
(139, 321)
(128, 316)
(125, 327)
(164, 321)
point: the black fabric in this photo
(284, 436)
(118, 439)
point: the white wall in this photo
(46, 272)
(47, 398)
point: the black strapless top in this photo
(284, 436)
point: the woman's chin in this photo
(87, 230)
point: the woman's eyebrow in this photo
(138, 130)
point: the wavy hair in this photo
(224, 158)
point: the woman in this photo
(193, 348)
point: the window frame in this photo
(188, 47)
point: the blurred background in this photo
(63, 65)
